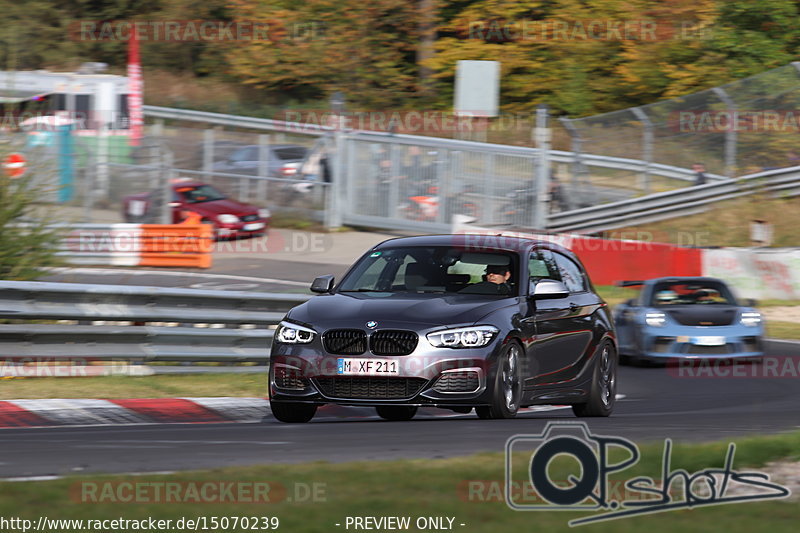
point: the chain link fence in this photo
(739, 128)
(412, 182)
(97, 176)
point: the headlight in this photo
(751, 319)
(264, 213)
(471, 337)
(228, 219)
(289, 333)
(655, 319)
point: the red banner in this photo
(135, 88)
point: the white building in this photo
(86, 96)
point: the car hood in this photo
(220, 207)
(394, 310)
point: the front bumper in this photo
(703, 343)
(242, 229)
(433, 377)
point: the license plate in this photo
(709, 341)
(253, 227)
(367, 367)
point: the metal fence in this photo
(735, 129)
(68, 321)
(258, 169)
(414, 182)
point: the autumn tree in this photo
(365, 49)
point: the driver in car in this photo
(495, 282)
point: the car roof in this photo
(189, 184)
(683, 279)
(467, 241)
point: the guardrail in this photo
(237, 121)
(164, 324)
(681, 202)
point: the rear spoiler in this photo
(628, 283)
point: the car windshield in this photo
(199, 193)
(692, 293)
(435, 269)
(290, 153)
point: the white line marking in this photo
(50, 478)
(785, 341)
(112, 271)
(31, 478)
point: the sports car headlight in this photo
(471, 337)
(751, 319)
(289, 333)
(655, 319)
(228, 219)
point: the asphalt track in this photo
(657, 403)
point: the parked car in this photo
(687, 317)
(221, 150)
(283, 160)
(425, 321)
(230, 217)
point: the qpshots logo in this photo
(592, 490)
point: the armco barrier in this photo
(123, 322)
(783, 183)
(163, 245)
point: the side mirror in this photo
(546, 289)
(751, 302)
(323, 284)
(631, 302)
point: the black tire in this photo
(507, 390)
(396, 413)
(602, 395)
(293, 413)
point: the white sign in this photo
(477, 88)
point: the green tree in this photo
(697, 44)
(28, 244)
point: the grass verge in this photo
(415, 488)
(783, 330)
(158, 386)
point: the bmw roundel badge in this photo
(372, 324)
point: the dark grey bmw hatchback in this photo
(459, 322)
